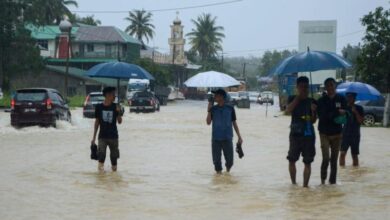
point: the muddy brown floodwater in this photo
(166, 172)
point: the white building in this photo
(321, 36)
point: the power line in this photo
(164, 9)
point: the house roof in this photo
(103, 34)
(81, 60)
(81, 74)
(47, 32)
(84, 33)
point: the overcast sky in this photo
(249, 24)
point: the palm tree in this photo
(206, 37)
(51, 11)
(140, 25)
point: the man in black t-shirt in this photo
(302, 135)
(107, 115)
(331, 107)
(351, 130)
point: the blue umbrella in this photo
(119, 70)
(363, 91)
(310, 61)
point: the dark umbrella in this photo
(119, 70)
(310, 61)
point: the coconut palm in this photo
(48, 12)
(206, 37)
(140, 25)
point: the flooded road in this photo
(166, 172)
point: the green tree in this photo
(272, 58)
(160, 73)
(88, 20)
(140, 25)
(206, 37)
(350, 53)
(18, 53)
(47, 12)
(373, 64)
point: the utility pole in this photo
(118, 57)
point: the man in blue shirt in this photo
(223, 119)
(351, 130)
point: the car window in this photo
(54, 98)
(30, 95)
(59, 97)
(96, 98)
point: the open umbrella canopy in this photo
(119, 70)
(310, 61)
(363, 91)
(211, 79)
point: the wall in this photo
(48, 79)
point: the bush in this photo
(6, 101)
(76, 101)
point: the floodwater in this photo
(166, 172)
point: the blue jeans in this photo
(225, 146)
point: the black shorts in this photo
(304, 146)
(353, 142)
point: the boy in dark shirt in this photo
(351, 130)
(302, 135)
(107, 115)
(223, 119)
(330, 106)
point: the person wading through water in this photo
(107, 114)
(302, 135)
(223, 119)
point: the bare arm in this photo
(359, 117)
(237, 131)
(209, 119)
(95, 130)
(119, 118)
(290, 107)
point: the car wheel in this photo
(369, 120)
(158, 108)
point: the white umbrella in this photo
(211, 79)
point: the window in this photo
(90, 48)
(43, 44)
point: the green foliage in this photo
(6, 101)
(18, 52)
(373, 64)
(140, 25)
(88, 20)
(350, 53)
(160, 73)
(76, 101)
(206, 38)
(271, 58)
(46, 12)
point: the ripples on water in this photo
(166, 172)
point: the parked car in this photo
(93, 99)
(266, 97)
(373, 111)
(144, 102)
(233, 98)
(243, 100)
(39, 106)
(253, 96)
